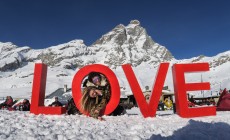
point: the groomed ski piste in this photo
(131, 126)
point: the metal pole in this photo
(220, 86)
(202, 92)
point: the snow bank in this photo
(23, 125)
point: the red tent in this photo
(224, 101)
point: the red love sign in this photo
(147, 109)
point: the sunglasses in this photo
(95, 79)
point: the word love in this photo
(147, 109)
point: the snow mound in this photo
(23, 125)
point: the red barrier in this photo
(38, 93)
(147, 110)
(180, 88)
(111, 77)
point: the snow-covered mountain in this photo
(130, 44)
(123, 44)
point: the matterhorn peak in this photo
(123, 34)
(131, 44)
(135, 22)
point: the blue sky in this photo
(187, 28)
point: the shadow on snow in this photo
(196, 130)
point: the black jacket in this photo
(56, 103)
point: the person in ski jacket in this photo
(97, 80)
(56, 103)
(23, 106)
(8, 103)
(102, 91)
(94, 101)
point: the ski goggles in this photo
(95, 79)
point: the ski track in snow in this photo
(24, 125)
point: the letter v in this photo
(147, 110)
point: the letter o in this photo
(109, 74)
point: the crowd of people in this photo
(201, 102)
(96, 93)
(24, 105)
(9, 104)
(168, 104)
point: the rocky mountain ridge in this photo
(124, 44)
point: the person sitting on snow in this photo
(98, 85)
(56, 103)
(23, 106)
(8, 103)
